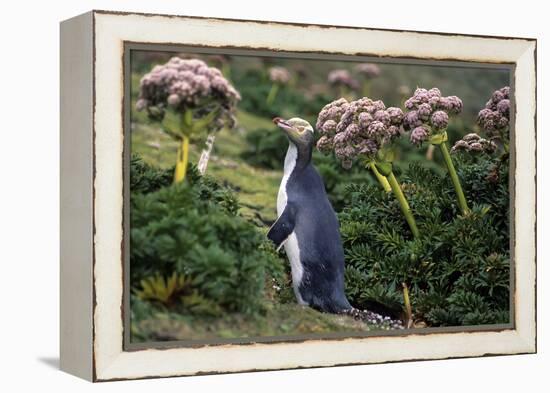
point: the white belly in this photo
(281, 198)
(297, 269)
(292, 249)
(290, 163)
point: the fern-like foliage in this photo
(191, 251)
(458, 270)
(164, 290)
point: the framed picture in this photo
(246, 195)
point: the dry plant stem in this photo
(405, 208)
(182, 160)
(430, 153)
(381, 178)
(408, 308)
(205, 154)
(454, 178)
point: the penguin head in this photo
(299, 131)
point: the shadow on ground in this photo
(52, 362)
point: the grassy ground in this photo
(257, 188)
(280, 320)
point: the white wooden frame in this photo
(92, 143)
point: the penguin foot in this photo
(373, 318)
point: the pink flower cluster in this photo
(428, 112)
(187, 84)
(495, 116)
(279, 75)
(474, 143)
(368, 69)
(357, 129)
(342, 78)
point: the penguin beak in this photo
(283, 124)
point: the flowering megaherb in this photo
(494, 119)
(181, 84)
(357, 129)
(474, 143)
(342, 78)
(428, 113)
(427, 119)
(187, 84)
(279, 76)
(197, 94)
(368, 69)
(364, 129)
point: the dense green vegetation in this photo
(198, 265)
(457, 271)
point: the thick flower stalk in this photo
(494, 119)
(364, 130)
(342, 81)
(369, 71)
(427, 119)
(189, 99)
(279, 76)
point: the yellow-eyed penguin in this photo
(307, 225)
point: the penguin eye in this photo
(300, 129)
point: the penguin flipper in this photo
(283, 227)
